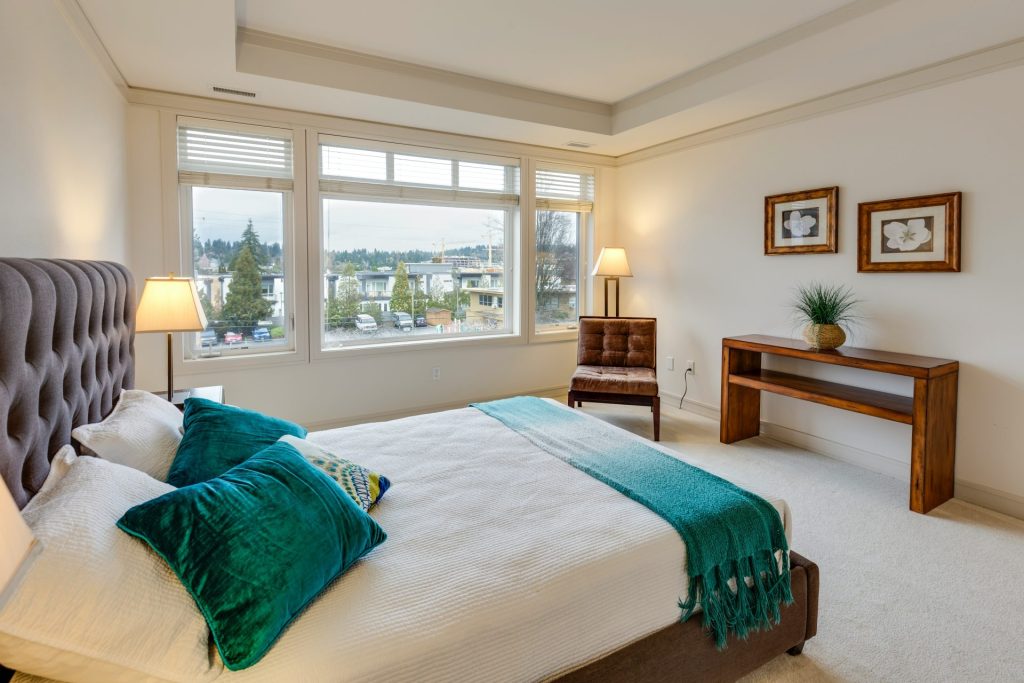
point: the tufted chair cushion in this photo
(66, 351)
(618, 342)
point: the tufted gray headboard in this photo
(67, 349)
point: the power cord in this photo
(686, 386)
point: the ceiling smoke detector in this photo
(580, 145)
(232, 91)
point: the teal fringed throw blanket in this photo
(728, 532)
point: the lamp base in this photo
(606, 279)
(170, 369)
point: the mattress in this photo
(502, 563)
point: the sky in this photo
(220, 213)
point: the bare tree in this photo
(556, 254)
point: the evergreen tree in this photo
(251, 239)
(207, 306)
(345, 304)
(401, 295)
(245, 305)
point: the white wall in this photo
(337, 390)
(62, 143)
(692, 222)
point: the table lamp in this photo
(170, 304)
(612, 264)
(18, 547)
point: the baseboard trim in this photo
(967, 491)
(876, 462)
(703, 409)
(987, 497)
(549, 392)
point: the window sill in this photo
(219, 364)
(554, 336)
(493, 340)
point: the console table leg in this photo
(741, 406)
(933, 445)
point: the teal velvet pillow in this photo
(256, 545)
(218, 437)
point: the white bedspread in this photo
(502, 563)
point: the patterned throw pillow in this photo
(364, 486)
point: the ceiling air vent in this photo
(581, 145)
(232, 91)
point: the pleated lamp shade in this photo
(612, 263)
(170, 304)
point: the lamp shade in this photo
(170, 304)
(612, 263)
(17, 544)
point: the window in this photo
(564, 206)
(416, 239)
(235, 184)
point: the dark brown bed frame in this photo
(67, 333)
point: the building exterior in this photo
(486, 307)
(425, 279)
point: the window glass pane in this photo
(422, 170)
(354, 163)
(238, 262)
(557, 298)
(401, 272)
(481, 176)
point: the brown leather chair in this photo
(617, 363)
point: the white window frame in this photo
(305, 227)
(513, 238)
(587, 228)
(178, 239)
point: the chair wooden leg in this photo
(656, 409)
(572, 401)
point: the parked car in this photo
(261, 334)
(366, 323)
(387, 318)
(420, 321)
(403, 321)
(232, 337)
(207, 338)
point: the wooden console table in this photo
(931, 412)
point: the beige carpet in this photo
(904, 597)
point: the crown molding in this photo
(1003, 56)
(267, 54)
(262, 115)
(689, 88)
(83, 28)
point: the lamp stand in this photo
(170, 370)
(606, 279)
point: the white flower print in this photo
(907, 236)
(800, 226)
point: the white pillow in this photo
(59, 466)
(141, 432)
(96, 605)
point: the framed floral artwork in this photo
(913, 234)
(802, 222)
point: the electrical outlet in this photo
(670, 361)
(435, 373)
(691, 366)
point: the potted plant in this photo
(827, 311)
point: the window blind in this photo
(564, 190)
(207, 153)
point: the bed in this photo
(490, 571)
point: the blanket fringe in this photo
(750, 607)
